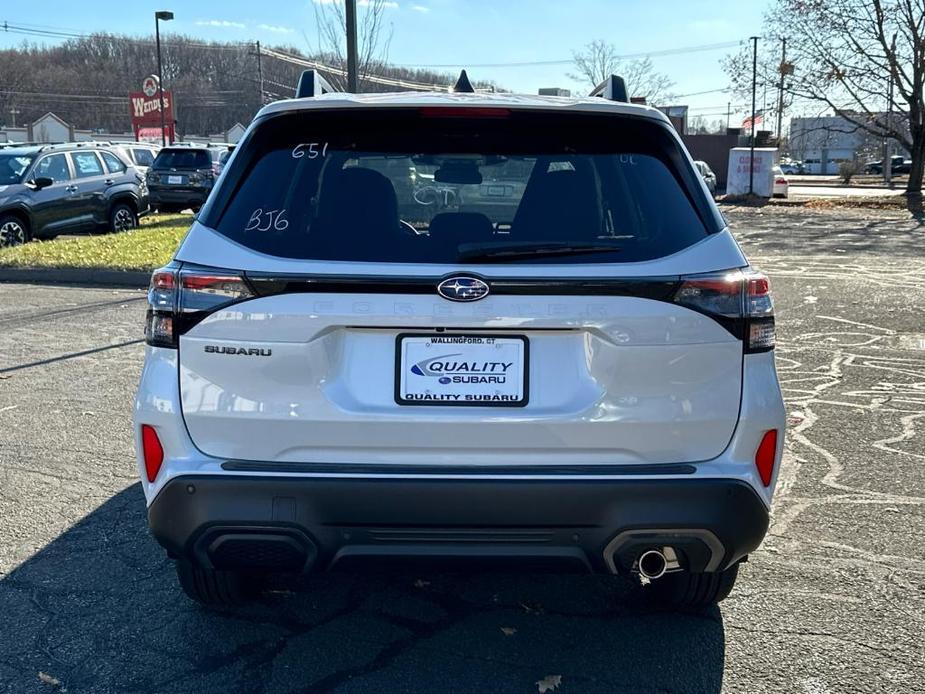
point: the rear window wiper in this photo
(499, 252)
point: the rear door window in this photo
(418, 186)
(113, 163)
(86, 164)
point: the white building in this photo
(824, 142)
(51, 128)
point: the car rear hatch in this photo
(312, 328)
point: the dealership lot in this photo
(833, 602)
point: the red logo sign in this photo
(145, 109)
(149, 86)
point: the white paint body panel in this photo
(612, 380)
(158, 404)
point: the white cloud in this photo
(275, 28)
(420, 8)
(220, 23)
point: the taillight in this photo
(765, 456)
(780, 181)
(152, 451)
(759, 313)
(740, 301)
(178, 299)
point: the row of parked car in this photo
(78, 187)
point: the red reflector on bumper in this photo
(765, 455)
(152, 450)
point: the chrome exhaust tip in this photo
(652, 564)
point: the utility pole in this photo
(259, 74)
(13, 113)
(751, 149)
(728, 113)
(351, 21)
(780, 95)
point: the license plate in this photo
(461, 370)
(175, 180)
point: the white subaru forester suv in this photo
(459, 326)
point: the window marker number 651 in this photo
(311, 149)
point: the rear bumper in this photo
(174, 195)
(599, 525)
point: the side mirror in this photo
(42, 182)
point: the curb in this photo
(86, 277)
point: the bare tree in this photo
(372, 38)
(845, 52)
(599, 60)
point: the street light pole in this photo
(158, 17)
(351, 21)
(751, 151)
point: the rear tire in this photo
(122, 218)
(691, 590)
(216, 588)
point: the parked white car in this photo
(781, 188)
(582, 373)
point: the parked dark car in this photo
(46, 190)
(182, 176)
(876, 167)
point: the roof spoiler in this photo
(311, 83)
(613, 88)
(463, 84)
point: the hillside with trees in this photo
(86, 81)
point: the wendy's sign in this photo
(145, 108)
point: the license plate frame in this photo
(400, 398)
(174, 180)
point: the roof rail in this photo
(612, 88)
(311, 83)
(463, 84)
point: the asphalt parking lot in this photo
(833, 602)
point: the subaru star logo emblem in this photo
(463, 288)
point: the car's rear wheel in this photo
(13, 231)
(215, 587)
(122, 218)
(688, 590)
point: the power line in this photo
(375, 79)
(21, 29)
(568, 61)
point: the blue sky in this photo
(465, 32)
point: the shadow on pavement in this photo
(99, 610)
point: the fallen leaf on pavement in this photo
(508, 631)
(550, 683)
(421, 583)
(45, 678)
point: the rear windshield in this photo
(182, 159)
(451, 186)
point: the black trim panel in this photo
(449, 470)
(467, 518)
(657, 288)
